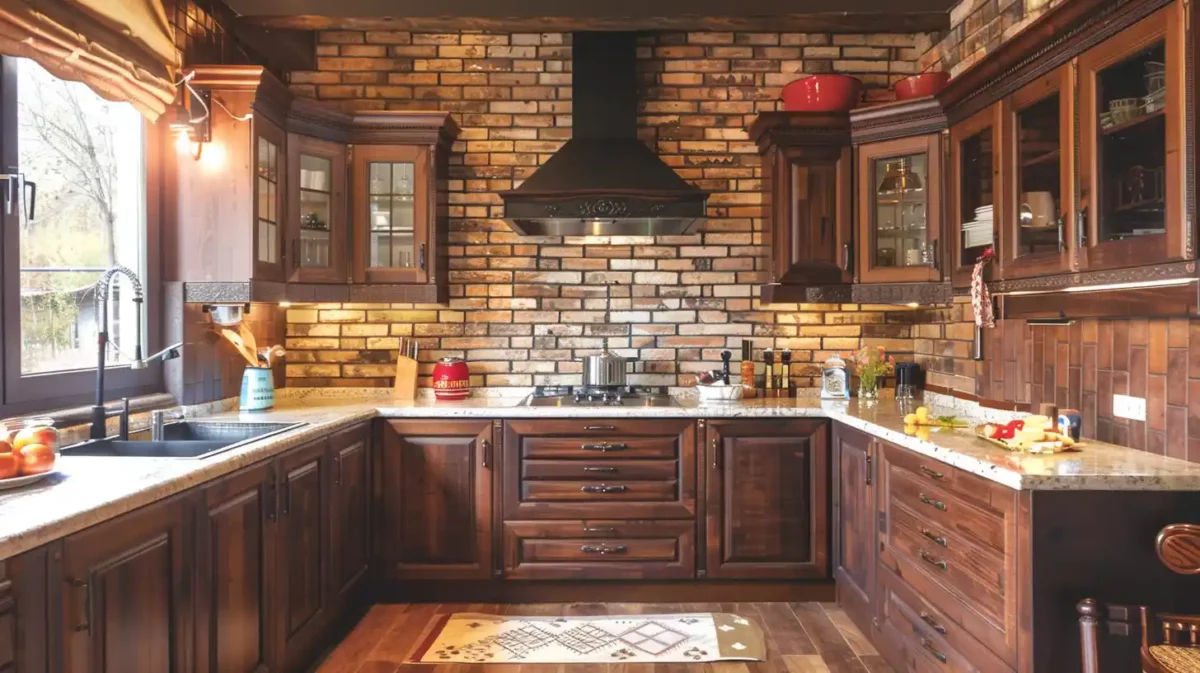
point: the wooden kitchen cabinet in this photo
(127, 593)
(317, 226)
(767, 499)
(235, 563)
(855, 536)
(807, 176)
(350, 534)
(433, 496)
(976, 184)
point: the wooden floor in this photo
(801, 638)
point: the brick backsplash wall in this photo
(523, 309)
(977, 27)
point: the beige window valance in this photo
(123, 49)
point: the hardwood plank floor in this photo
(801, 638)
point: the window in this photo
(82, 160)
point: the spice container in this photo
(748, 388)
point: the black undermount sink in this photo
(186, 439)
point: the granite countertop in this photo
(89, 490)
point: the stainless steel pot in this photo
(605, 369)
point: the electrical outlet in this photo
(1133, 408)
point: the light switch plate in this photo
(1133, 408)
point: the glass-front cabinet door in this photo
(1038, 232)
(317, 218)
(1132, 130)
(975, 186)
(270, 160)
(391, 213)
(899, 210)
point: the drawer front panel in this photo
(942, 475)
(984, 565)
(598, 492)
(592, 448)
(600, 470)
(947, 511)
(599, 427)
(599, 549)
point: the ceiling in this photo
(556, 15)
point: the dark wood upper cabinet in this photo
(317, 211)
(976, 184)
(235, 563)
(128, 581)
(350, 538)
(433, 492)
(1132, 93)
(393, 213)
(855, 536)
(806, 184)
(301, 596)
(767, 499)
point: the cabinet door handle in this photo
(716, 449)
(934, 536)
(337, 469)
(604, 447)
(599, 428)
(936, 258)
(604, 488)
(846, 256)
(272, 495)
(593, 468)
(287, 495)
(870, 460)
(930, 649)
(936, 504)
(603, 549)
(599, 529)
(421, 258)
(938, 563)
(296, 253)
(85, 619)
(487, 454)
(932, 473)
(933, 624)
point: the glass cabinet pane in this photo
(899, 224)
(267, 225)
(1039, 184)
(976, 196)
(1129, 199)
(391, 203)
(316, 183)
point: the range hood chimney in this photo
(604, 181)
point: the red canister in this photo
(451, 379)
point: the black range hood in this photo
(604, 181)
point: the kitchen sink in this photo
(186, 439)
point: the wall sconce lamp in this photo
(187, 128)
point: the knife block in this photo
(406, 379)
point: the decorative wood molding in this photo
(900, 119)
(1142, 274)
(800, 128)
(926, 294)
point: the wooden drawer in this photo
(609, 448)
(977, 564)
(598, 492)
(617, 469)
(922, 638)
(662, 470)
(599, 549)
(945, 510)
(959, 482)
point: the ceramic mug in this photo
(258, 389)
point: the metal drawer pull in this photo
(85, 623)
(597, 428)
(930, 649)
(934, 536)
(932, 560)
(600, 529)
(933, 623)
(590, 468)
(932, 473)
(603, 549)
(604, 489)
(932, 503)
(604, 447)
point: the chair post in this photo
(1089, 634)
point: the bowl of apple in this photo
(28, 451)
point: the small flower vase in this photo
(868, 388)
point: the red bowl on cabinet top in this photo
(918, 86)
(822, 93)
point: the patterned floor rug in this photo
(499, 639)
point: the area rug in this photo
(500, 639)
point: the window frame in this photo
(22, 394)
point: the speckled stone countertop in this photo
(89, 490)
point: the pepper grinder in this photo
(726, 356)
(769, 359)
(748, 389)
(785, 379)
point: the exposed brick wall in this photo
(977, 27)
(523, 309)
(202, 33)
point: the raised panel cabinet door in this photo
(435, 485)
(126, 594)
(350, 549)
(300, 597)
(854, 515)
(767, 499)
(234, 565)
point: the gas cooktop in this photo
(614, 396)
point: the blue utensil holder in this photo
(258, 389)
